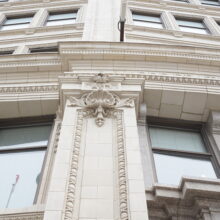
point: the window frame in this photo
(26, 122)
(215, 5)
(75, 10)
(14, 24)
(46, 49)
(6, 52)
(183, 125)
(148, 14)
(184, 1)
(199, 20)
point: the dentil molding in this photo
(23, 216)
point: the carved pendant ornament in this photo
(100, 103)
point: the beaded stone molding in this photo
(70, 204)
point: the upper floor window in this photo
(211, 2)
(192, 26)
(180, 0)
(22, 151)
(6, 52)
(180, 153)
(147, 20)
(61, 18)
(44, 49)
(11, 23)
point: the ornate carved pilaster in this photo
(100, 102)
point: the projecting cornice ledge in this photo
(138, 51)
(193, 199)
(30, 213)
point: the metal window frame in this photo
(192, 20)
(185, 1)
(184, 126)
(6, 52)
(52, 49)
(15, 17)
(59, 13)
(148, 14)
(206, 3)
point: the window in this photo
(211, 2)
(192, 26)
(180, 0)
(147, 20)
(43, 49)
(6, 52)
(61, 18)
(22, 151)
(16, 22)
(179, 153)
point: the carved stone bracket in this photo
(100, 103)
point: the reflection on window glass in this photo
(16, 23)
(24, 137)
(211, 2)
(178, 153)
(153, 21)
(176, 140)
(170, 169)
(192, 26)
(180, 0)
(21, 169)
(61, 18)
(22, 151)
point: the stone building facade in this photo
(92, 128)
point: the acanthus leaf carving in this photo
(100, 103)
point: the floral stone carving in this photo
(100, 103)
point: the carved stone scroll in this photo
(100, 103)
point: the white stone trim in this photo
(39, 18)
(165, 200)
(212, 26)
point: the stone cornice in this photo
(23, 216)
(36, 4)
(188, 200)
(26, 62)
(35, 212)
(170, 37)
(160, 77)
(141, 51)
(210, 188)
(29, 89)
(177, 6)
(44, 33)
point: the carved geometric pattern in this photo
(57, 136)
(123, 194)
(122, 173)
(22, 216)
(27, 89)
(169, 77)
(71, 190)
